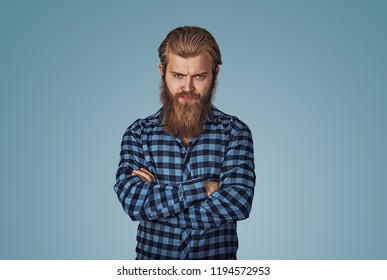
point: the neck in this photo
(185, 141)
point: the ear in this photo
(216, 72)
(161, 68)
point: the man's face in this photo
(187, 88)
(188, 79)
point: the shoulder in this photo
(231, 123)
(144, 124)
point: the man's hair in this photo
(189, 41)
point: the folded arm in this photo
(236, 189)
(141, 196)
(196, 203)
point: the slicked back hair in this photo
(189, 41)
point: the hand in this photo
(211, 186)
(144, 175)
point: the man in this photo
(187, 172)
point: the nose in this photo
(188, 84)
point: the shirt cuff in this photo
(192, 191)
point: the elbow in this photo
(137, 213)
(133, 212)
(245, 204)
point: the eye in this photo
(177, 75)
(201, 76)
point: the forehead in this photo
(201, 62)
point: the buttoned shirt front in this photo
(177, 219)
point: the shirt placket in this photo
(186, 235)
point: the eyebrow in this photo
(176, 72)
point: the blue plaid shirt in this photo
(177, 218)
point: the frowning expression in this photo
(189, 78)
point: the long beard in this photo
(185, 120)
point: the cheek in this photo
(203, 87)
(172, 86)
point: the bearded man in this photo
(186, 173)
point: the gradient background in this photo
(308, 77)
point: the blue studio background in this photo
(308, 77)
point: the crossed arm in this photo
(197, 203)
(146, 176)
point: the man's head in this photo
(189, 65)
(189, 41)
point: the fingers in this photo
(143, 179)
(151, 176)
(211, 187)
(144, 175)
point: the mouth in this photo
(187, 97)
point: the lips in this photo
(188, 96)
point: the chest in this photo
(172, 161)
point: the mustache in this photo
(189, 94)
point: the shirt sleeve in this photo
(236, 189)
(149, 200)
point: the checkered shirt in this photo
(177, 220)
